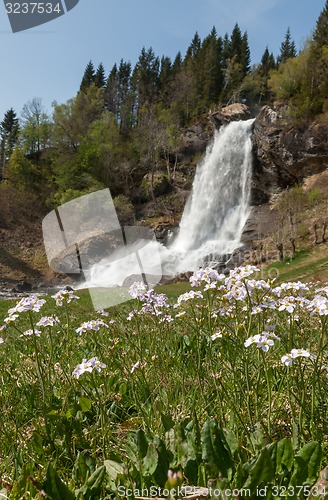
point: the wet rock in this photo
(21, 287)
(284, 153)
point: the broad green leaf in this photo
(216, 451)
(85, 404)
(284, 459)
(55, 488)
(114, 469)
(262, 472)
(307, 465)
(150, 461)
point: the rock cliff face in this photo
(285, 154)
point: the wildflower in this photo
(319, 305)
(252, 340)
(295, 353)
(88, 366)
(287, 360)
(28, 333)
(32, 303)
(138, 366)
(137, 290)
(264, 343)
(48, 321)
(189, 296)
(91, 325)
(216, 335)
(64, 296)
(207, 275)
(11, 318)
(287, 304)
(1, 340)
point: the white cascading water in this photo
(212, 222)
(218, 207)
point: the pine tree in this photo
(320, 35)
(267, 62)
(88, 77)
(111, 92)
(9, 130)
(193, 48)
(287, 48)
(100, 78)
(245, 56)
(145, 78)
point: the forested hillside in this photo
(126, 126)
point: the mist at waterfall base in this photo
(212, 221)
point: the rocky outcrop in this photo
(236, 111)
(284, 153)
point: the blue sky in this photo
(49, 61)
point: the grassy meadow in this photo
(220, 383)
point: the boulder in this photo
(22, 286)
(232, 112)
(156, 184)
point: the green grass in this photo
(177, 382)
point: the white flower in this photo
(11, 318)
(1, 340)
(296, 353)
(64, 296)
(287, 360)
(88, 366)
(137, 290)
(189, 296)
(252, 340)
(48, 321)
(32, 303)
(216, 335)
(91, 325)
(28, 333)
(265, 343)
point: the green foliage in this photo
(125, 210)
(194, 395)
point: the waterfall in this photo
(218, 207)
(211, 225)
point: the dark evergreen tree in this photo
(226, 48)
(268, 62)
(9, 130)
(245, 56)
(193, 48)
(145, 78)
(88, 77)
(100, 78)
(111, 92)
(287, 48)
(177, 64)
(236, 43)
(320, 35)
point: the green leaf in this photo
(150, 461)
(114, 469)
(262, 471)
(55, 488)
(216, 452)
(85, 404)
(92, 486)
(284, 457)
(307, 465)
(167, 422)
